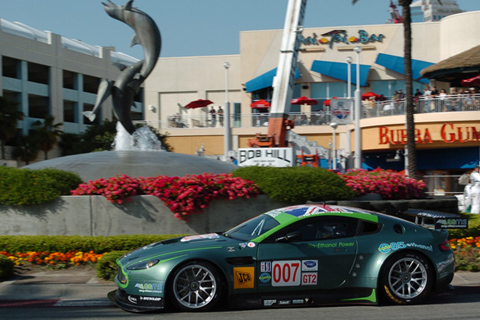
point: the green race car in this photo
(295, 256)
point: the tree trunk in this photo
(409, 111)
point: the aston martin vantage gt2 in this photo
(295, 256)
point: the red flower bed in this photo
(389, 184)
(183, 195)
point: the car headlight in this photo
(144, 264)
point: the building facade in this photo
(47, 74)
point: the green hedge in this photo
(107, 266)
(6, 268)
(22, 187)
(63, 244)
(297, 184)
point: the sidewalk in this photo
(43, 287)
(81, 287)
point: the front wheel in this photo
(406, 279)
(196, 286)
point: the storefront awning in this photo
(265, 80)
(339, 70)
(395, 63)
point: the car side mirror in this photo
(292, 236)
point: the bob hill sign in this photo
(273, 157)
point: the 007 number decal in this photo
(286, 273)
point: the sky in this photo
(190, 27)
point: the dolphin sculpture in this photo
(128, 83)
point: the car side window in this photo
(318, 228)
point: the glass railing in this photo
(370, 109)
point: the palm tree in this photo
(46, 133)
(26, 149)
(409, 111)
(9, 118)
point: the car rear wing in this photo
(431, 219)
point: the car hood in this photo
(182, 245)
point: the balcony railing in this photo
(370, 109)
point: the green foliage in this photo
(46, 133)
(9, 118)
(6, 268)
(21, 187)
(107, 267)
(63, 244)
(297, 184)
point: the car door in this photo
(314, 253)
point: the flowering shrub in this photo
(54, 259)
(183, 195)
(467, 253)
(389, 184)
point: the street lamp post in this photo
(349, 61)
(334, 126)
(358, 98)
(228, 134)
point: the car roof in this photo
(299, 212)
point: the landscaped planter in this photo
(95, 216)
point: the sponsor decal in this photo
(268, 303)
(274, 213)
(243, 277)
(242, 245)
(298, 301)
(132, 299)
(146, 287)
(286, 273)
(265, 277)
(309, 265)
(284, 302)
(200, 237)
(393, 246)
(457, 223)
(265, 266)
(155, 299)
(333, 245)
(309, 278)
(251, 244)
(231, 249)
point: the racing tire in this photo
(406, 278)
(196, 286)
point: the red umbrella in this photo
(472, 82)
(327, 102)
(260, 104)
(370, 94)
(304, 100)
(200, 103)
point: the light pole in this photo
(334, 126)
(226, 119)
(349, 61)
(358, 134)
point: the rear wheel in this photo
(196, 286)
(406, 279)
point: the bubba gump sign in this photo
(449, 133)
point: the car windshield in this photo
(252, 228)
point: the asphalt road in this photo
(462, 303)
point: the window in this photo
(318, 228)
(38, 73)
(11, 67)
(69, 80)
(38, 106)
(90, 84)
(69, 108)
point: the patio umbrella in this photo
(370, 94)
(200, 103)
(260, 104)
(304, 100)
(327, 102)
(471, 82)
